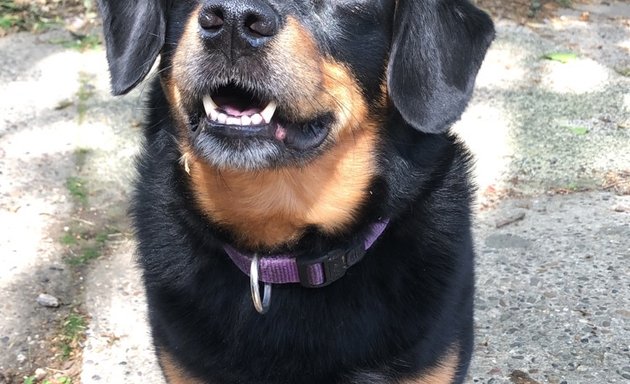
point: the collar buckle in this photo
(333, 265)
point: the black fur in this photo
(410, 300)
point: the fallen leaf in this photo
(562, 57)
(580, 131)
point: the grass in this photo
(625, 72)
(25, 16)
(85, 245)
(86, 255)
(77, 189)
(85, 43)
(85, 92)
(38, 16)
(79, 43)
(56, 380)
(72, 333)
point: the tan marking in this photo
(173, 373)
(443, 373)
(273, 207)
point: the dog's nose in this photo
(238, 25)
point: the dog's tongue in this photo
(235, 110)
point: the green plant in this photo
(85, 245)
(80, 43)
(565, 3)
(625, 72)
(85, 92)
(69, 238)
(72, 332)
(77, 189)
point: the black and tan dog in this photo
(304, 142)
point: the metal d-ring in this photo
(262, 306)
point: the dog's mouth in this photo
(233, 112)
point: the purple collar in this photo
(311, 273)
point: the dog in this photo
(302, 213)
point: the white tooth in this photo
(233, 121)
(209, 104)
(222, 118)
(246, 120)
(214, 115)
(257, 119)
(268, 112)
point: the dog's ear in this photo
(134, 35)
(437, 49)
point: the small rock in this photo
(621, 208)
(511, 219)
(40, 373)
(47, 300)
(21, 358)
(520, 377)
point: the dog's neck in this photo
(272, 208)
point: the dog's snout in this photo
(238, 26)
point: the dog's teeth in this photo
(222, 118)
(214, 115)
(233, 121)
(257, 119)
(268, 112)
(246, 120)
(209, 104)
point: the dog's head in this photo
(257, 84)
(280, 107)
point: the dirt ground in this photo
(551, 135)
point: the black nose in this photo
(237, 26)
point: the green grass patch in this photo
(72, 333)
(78, 189)
(85, 244)
(85, 256)
(85, 92)
(625, 72)
(69, 238)
(80, 43)
(25, 16)
(56, 380)
(9, 21)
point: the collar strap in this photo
(311, 273)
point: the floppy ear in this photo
(134, 35)
(437, 49)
